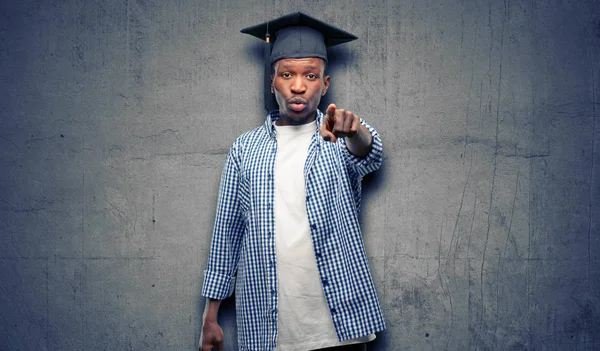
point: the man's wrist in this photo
(361, 143)
(211, 310)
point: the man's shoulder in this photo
(250, 138)
(257, 132)
(251, 135)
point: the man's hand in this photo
(211, 336)
(341, 123)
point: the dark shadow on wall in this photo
(255, 54)
(373, 181)
(371, 185)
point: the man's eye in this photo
(286, 75)
(312, 76)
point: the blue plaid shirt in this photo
(243, 244)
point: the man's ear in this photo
(326, 82)
(272, 87)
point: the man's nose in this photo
(298, 86)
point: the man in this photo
(286, 227)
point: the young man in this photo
(286, 228)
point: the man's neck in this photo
(286, 121)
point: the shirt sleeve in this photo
(371, 162)
(227, 234)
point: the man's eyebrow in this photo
(310, 67)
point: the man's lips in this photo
(297, 107)
(297, 104)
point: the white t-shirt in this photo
(304, 321)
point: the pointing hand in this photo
(339, 123)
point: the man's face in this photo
(298, 85)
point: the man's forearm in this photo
(211, 335)
(361, 143)
(211, 309)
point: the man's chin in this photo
(297, 117)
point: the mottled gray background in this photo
(482, 227)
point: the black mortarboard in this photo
(295, 35)
(298, 35)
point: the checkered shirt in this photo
(242, 253)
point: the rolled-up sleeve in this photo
(362, 166)
(227, 236)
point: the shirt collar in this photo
(274, 116)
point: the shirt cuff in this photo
(372, 160)
(217, 286)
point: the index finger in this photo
(330, 110)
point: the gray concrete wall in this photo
(482, 228)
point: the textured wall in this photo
(482, 227)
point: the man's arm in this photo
(361, 143)
(224, 252)
(341, 123)
(211, 335)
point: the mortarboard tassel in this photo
(267, 88)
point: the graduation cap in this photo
(295, 35)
